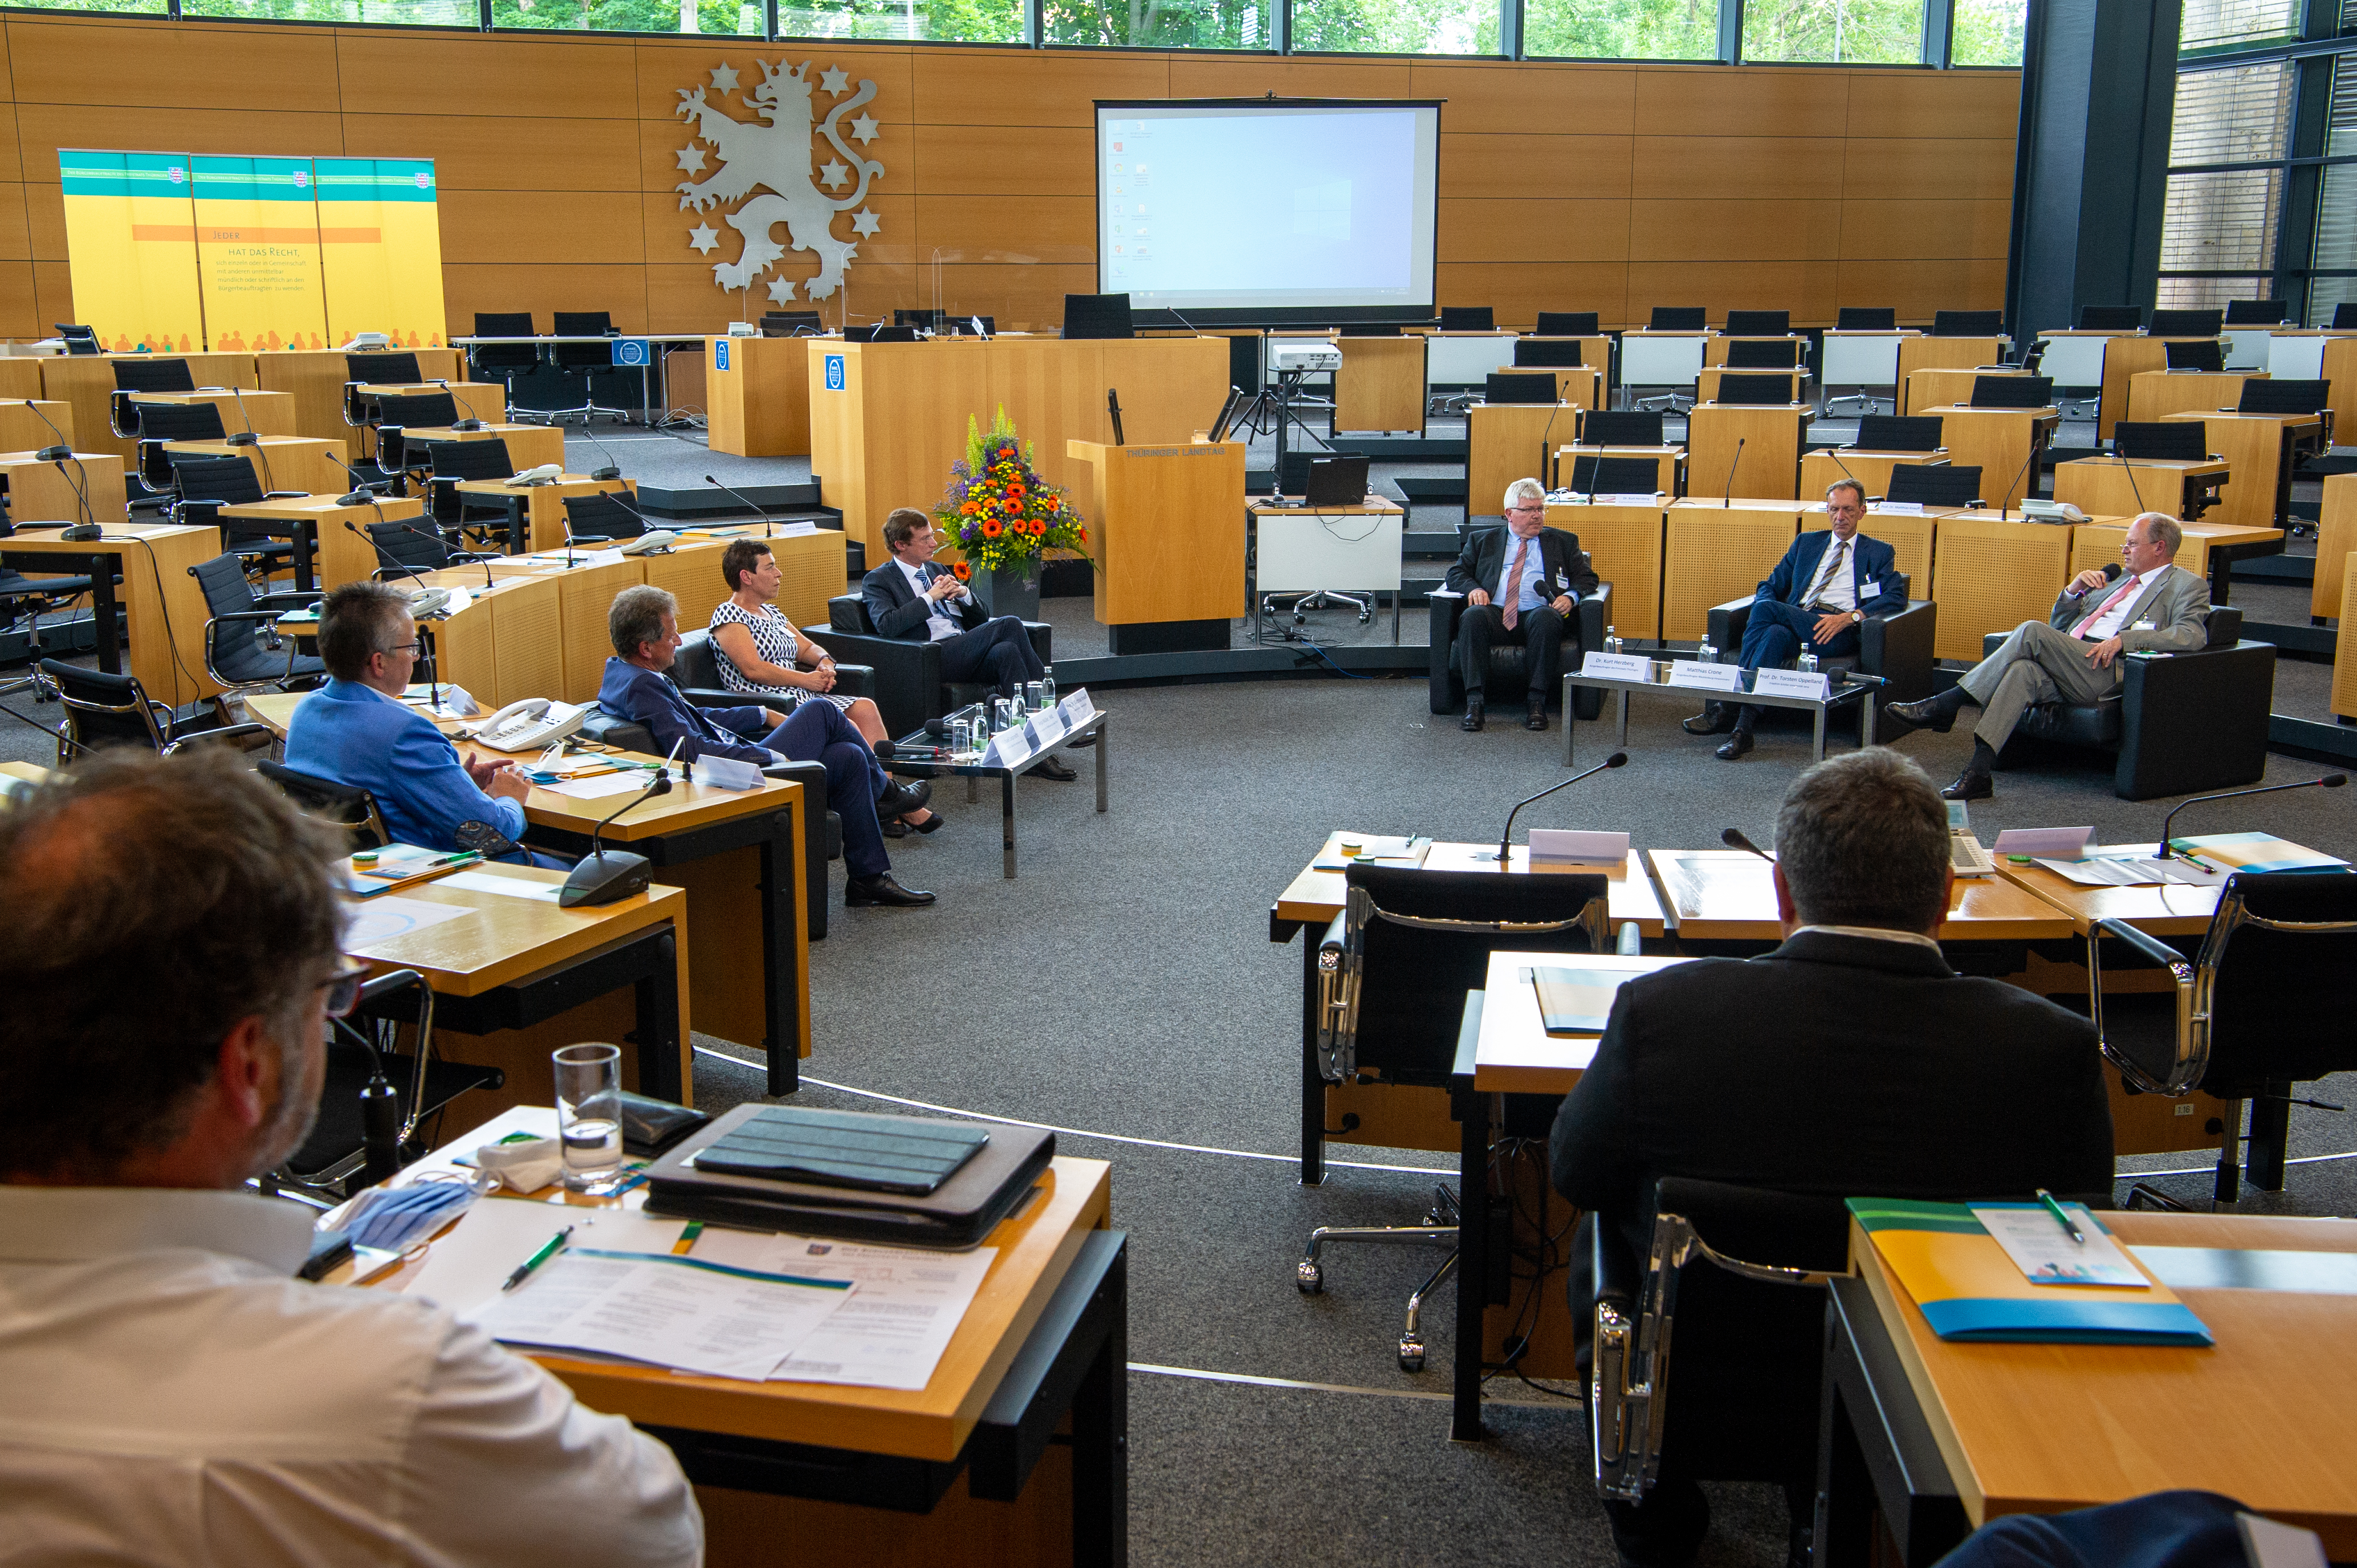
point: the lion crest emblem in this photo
(772, 154)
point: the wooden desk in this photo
(756, 394)
(813, 566)
(1168, 534)
(2267, 1415)
(888, 438)
(284, 462)
(529, 445)
(1930, 353)
(263, 412)
(1824, 468)
(42, 492)
(1927, 393)
(315, 378)
(521, 977)
(1706, 385)
(29, 425)
(1730, 895)
(87, 382)
(1759, 445)
(2165, 910)
(1715, 551)
(536, 515)
(2003, 443)
(2119, 486)
(2125, 358)
(1400, 1116)
(317, 524)
(2209, 548)
(20, 375)
(1624, 547)
(2336, 536)
(1908, 534)
(1505, 442)
(163, 611)
(2156, 394)
(1669, 464)
(944, 1475)
(1380, 383)
(1989, 574)
(2259, 447)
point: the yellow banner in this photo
(258, 254)
(131, 243)
(380, 243)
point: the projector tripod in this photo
(1276, 407)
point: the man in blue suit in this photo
(1826, 585)
(354, 730)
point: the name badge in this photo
(1870, 588)
(1563, 579)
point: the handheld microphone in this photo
(1729, 496)
(2017, 479)
(1733, 838)
(604, 876)
(1113, 407)
(747, 499)
(1505, 839)
(2110, 575)
(470, 422)
(2330, 781)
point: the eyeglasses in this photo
(414, 647)
(343, 989)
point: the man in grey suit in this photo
(2073, 656)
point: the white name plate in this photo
(1898, 509)
(1617, 666)
(1007, 749)
(1574, 844)
(1077, 709)
(1790, 684)
(1709, 677)
(1649, 498)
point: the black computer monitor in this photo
(1511, 388)
(1867, 319)
(1097, 316)
(2187, 323)
(2012, 392)
(1679, 318)
(2110, 317)
(1755, 390)
(1758, 323)
(1568, 324)
(1467, 319)
(1336, 481)
(1545, 351)
(2166, 440)
(2258, 312)
(2201, 354)
(1967, 323)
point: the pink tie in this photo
(2126, 590)
(1514, 584)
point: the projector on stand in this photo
(1294, 358)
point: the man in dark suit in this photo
(1851, 1061)
(1522, 580)
(1816, 599)
(910, 599)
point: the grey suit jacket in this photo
(2177, 603)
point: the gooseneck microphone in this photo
(2330, 781)
(603, 875)
(87, 528)
(1733, 838)
(747, 499)
(1505, 839)
(1113, 407)
(612, 470)
(2018, 475)
(488, 583)
(2129, 469)
(1728, 498)
(470, 422)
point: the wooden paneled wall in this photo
(1605, 188)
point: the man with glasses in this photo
(1523, 580)
(174, 1393)
(356, 731)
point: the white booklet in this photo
(2046, 1255)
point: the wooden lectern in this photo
(1167, 529)
(756, 395)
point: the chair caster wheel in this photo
(1411, 1353)
(1309, 1276)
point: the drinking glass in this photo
(589, 1114)
(1002, 714)
(1034, 696)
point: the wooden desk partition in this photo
(1930, 353)
(20, 376)
(529, 445)
(42, 492)
(87, 382)
(1706, 385)
(1822, 469)
(886, 438)
(756, 394)
(1767, 438)
(315, 378)
(1509, 441)
(2156, 394)
(2116, 487)
(1931, 393)
(163, 608)
(284, 462)
(1908, 534)
(1988, 575)
(1669, 464)
(544, 514)
(2344, 651)
(31, 424)
(1713, 553)
(2256, 446)
(2336, 536)
(263, 412)
(1167, 529)
(1624, 546)
(343, 556)
(2003, 443)
(1380, 384)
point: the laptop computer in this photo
(1336, 481)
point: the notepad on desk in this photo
(1573, 1001)
(2255, 851)
(1373, 849)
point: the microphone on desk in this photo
(1733, 838)
(1113, 407)
(603, 875)
(1729, 497)
(470, 422)
(2018, 475)
(2129, 469)
(250, 437)
(87, 529)
(2330, 781)
(612, 470)
(747, 499)
(1505, 839)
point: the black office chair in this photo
(2202, 354)
(1545, 352)
(1393, 971)
(77, 339)
(2165, 440)
(1764, 354)
(1508, 679)
(2261, 1007)
(1898, 647)
(1615, 476)
(1934, 484)
(204, 483)
(1866, 318)
(1967, 323)
(345, 807)
(2180, 725)
(2345, 316)
(503, 363)
(1467, 319)
(910, 686)
(1755, 391)
(244, 651)
(159, 422)
(397, 413)
(2187, 323)
(1568, 324)
(2272, 396)
(1609, 427)
(600, 519)
(449, 462)
(144, 376)
(1742, 1272)
(28, 597)
(2111, 317)
(1510, 387)
(103, 710)
(1897, 432)
(374, 367)
(2258, 312)
(1678, 318)
(584, 360)
(1757, 323)
(2012, 392)
(404, 549)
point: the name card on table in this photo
(1617, 666)
(1076, 710)
(1897, 509)
(726, 773)
(1708, 676)
(1574, 844)
(1045, 729)
(1649, 498)
(1007, 749)
(1790, 684)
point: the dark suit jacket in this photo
(899, 613)
(627, 692)
(1484, 559)
(1870, 561)
(1838, 1065)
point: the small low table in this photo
(1840, 690)
(974, 772)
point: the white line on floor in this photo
(2211, 1170)
(1564, 1404)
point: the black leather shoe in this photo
(1474, 717)
(1972, 784)
(1937, 715)
(931, 824)
(1055, 767)
(867, 892)
(892, 827)
(1535, 719)
(1735, 746)
(899, 797)
(1086, 740)
(1716, 718)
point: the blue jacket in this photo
(352, 734)
(1872, 564)
(645, 697)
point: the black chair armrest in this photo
(1043, 642)
(226, 732)
(1726, 622)
(625, 735)
(855, 680)
(1899, 648)
(1991, 640)
(2191, 722)
(712, 697)
(1595, 612)
(2224, 625)
(848, 613)
(1447, 609)
(905, 679)
(1616, 1273)
(196, 514)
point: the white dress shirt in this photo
(175, 1396)
(1840, 590)
(2108, 624)
(1533, 585)
(1872, 933)
(941, 626)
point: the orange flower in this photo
(991, 528)
(1016, 490)
(970, 508)
(962, 570)
(1055, 503)
(1011, 507)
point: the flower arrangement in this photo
(998, 511)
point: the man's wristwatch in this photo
(1857, 617)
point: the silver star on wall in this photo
(865, 222)
(724, 78)
(782, 291)
(836, 81)
(703, 237)
(833, 173)
(691, 158)
(864, 129)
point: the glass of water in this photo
(1035, 696)
(589, 1114)
(1002, 714)
(1806, 664)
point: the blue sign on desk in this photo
(632, 353)
(720, 353)
(835, 372)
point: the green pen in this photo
(2044, 1197)
(461, 858)
(523, 1273)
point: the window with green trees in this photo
(726, 18)
(1987, 32)
(1396, 27)
(1836, 32)
(1157, 24)
(1621, 29)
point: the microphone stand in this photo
(2017, 479)
(760, 511)
(1505, 839)
(1728, 499)
(2330, 781)
(1733, 838)
(601, 877)
(472, 422)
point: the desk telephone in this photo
(545, 474)
(531, 724)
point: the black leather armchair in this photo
(698, 678)
(1895, 646)
(908, 685)
(1508, 680)
(2180, 722)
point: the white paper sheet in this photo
(891, 1333)
(506, 886)
(601, 785)
(390, 915)
(2045, 1254)
(465, 1268)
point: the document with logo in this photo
(890, 1334)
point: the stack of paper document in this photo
(2133, 870)
(1373, 849)
(2257, 851)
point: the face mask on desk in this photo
(393, 1219)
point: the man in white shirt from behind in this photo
(174, 1394)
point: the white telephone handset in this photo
(650, 542)
(545, 474)
(532, 723)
